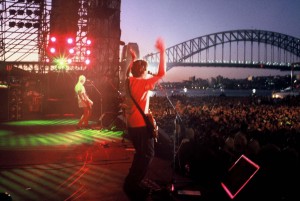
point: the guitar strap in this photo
(139, 108)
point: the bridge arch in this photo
(236, 48)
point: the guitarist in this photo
(84, 102)
(139, 84)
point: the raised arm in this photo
(160, 46)
(133, 57)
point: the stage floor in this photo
(50, 160)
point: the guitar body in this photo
(88, 104)
(153, 126)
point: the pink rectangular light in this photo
(238, 175)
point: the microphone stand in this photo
(92, 84)
(175, 141)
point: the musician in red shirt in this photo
(139, 84)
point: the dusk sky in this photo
(176, 21)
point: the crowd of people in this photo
(209, 134)
(213, 132)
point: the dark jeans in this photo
(144, 153)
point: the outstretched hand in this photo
(160, 45)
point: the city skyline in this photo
(177, 21)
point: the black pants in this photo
(144, 153)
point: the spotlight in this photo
(52, 50)
(12, 24)
(87, 61)
(28, 25)
(69, 61)
(29, 12)
(12, 12)
(36, 25)
(20, 24)
(53, 39)
(20, 12)
(69, 40)
(71, 51)
(37, 12)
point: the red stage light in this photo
(69, 40)
(71, 51)
(87, 61)
(53, 39)
(69, 61)
(52, 50)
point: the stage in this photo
(50, 160)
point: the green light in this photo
(5, 132)
(61, 63)
(49, 122)
(68, 136)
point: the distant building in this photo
(192, 79)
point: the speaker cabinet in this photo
(4, 104)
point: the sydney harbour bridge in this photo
(235, 48)
(27, 27)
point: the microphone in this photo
(150, 73)
(90, 81)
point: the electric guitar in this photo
(89, 105)
(153, 125)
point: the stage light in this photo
(71, 51)
(28, 25)
(36, 25)
(29, 12)
(20, 12)
(37, 12)
(52, 50)
(12, 12)
(69, 40)
(88, 42)
(53, 39)
(87, 61)
(12, 24)
(20, 24)
(88, 52)
(69, 61)
(61, 63)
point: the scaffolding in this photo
(24, 38)
(25, 30)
